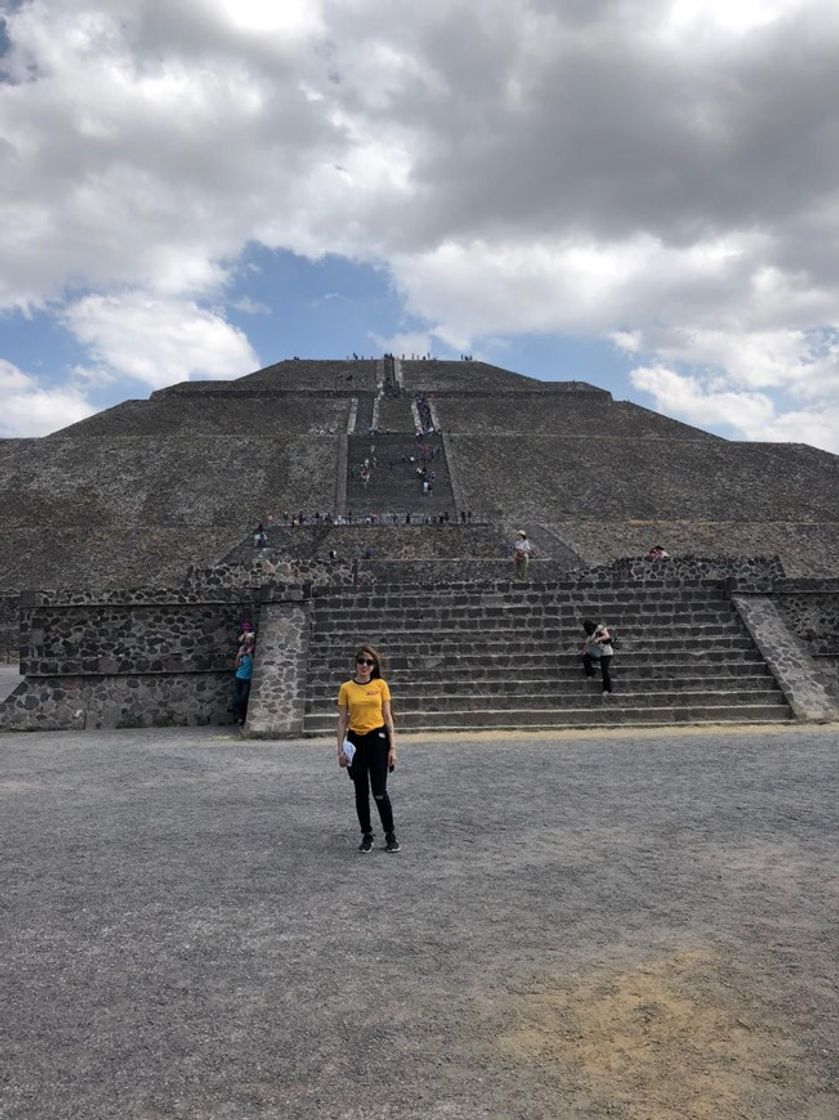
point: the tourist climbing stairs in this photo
(467, 657)
(382, 475)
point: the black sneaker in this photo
(392, 844)
(366, 844)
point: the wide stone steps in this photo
(411, 688)
(508, 656)
(491, 620)
(581, 698)
(663, 615)
(340, 662)
(607, 713)
(641, 676)
(501, 630)
(512, 645)
(386, 597)
(532, 591)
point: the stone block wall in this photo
(755, 573)
(808, 690)
(812, 613)
(159, 657)
(266, 576)
(129, 661)
(127, 639)
(143, 700)
(278, 689)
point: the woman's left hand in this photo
(391, 757)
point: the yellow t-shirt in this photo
(364, 704)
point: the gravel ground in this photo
(621, 925)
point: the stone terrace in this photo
(556, 479)
(806, 548)
(182, 415)
(105, 507)
(309, 374)
(583, 414)
(396, 543)
(435, 376)
(288, 376)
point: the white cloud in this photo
(28, 408)
(159, 341)
(750, 416)
(407, 342)
(11, 378)
(662, 173)
(250, 306)
(688, 398)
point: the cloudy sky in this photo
(639, 193)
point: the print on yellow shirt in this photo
(364, 704)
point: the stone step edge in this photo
(582, 725)
(608, 705)
(721, 699)
(406, 696)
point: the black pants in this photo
(604, 662)
(369, 768)
(240, 698)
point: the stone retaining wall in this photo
(813, 614)
(100, 639)
(807, 689)
(278, 690)
(753, 572)
(811, 610)
(159, 700)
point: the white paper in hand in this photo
(349, 751)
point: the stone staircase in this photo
(364, 416)
(468, 657)
(394, 485)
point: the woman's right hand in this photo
(342, 760)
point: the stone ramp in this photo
(507, 656)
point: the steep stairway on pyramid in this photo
(393, 485)
(506, 655)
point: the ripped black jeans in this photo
(604, 662)
(369, 768)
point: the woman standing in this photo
(366, 719)
(598, 647)
(242, 678)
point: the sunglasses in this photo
(364, 661)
